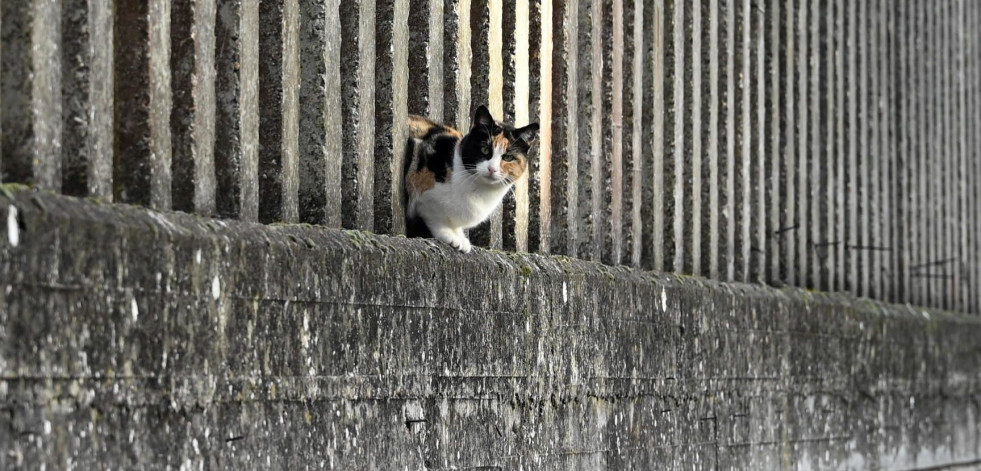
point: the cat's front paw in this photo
(464, 246)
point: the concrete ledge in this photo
(131, 339)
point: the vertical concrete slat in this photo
(480, 78)
(629, 42)
(785, 232)
(584, 85)
(142, 104)
(522, 115)
(564, 141)
(46, 96)
(912, 86)
(508, 51)
(759, 144)
(938, 155)
(291, 109)
(161, 102)
(946, 154)
(100, 122)
(452, 44)
(863, 187)
(941, 153)
(674, 168)
(598, 74)
(803, 210)
(546, 115)
(693, 148)
(817, 161)
(774, 128)
(853, 147)
(926, 65)
(87, 86)
(874, 247)
(658, 105)
(895, 193)
(182, 64)
(921, 262)
(461, 68)
(617, 128)
(962, 286)
(16, 130)
(824, 247)
(976, 162)
(904, 196)
(886, 138)
(973, 106)
(495, 46)
(933, 157)
(728, 127)
(193, 117)
(976, 150)
(421, 36)
(321, 125)
(838, 240)
(400, 103)
(237, 110)
(204, 97)
(743, 136)
(949, 166)
(713, 203)
(271, 65)
(969, 114)
(390, 108)
(358, 102)
(435, 54)
(638, 143)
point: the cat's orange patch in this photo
(516, 168)
(501, 142)
(421, 181)
(419, 127)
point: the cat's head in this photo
(496, 153)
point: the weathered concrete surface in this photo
(133, 339)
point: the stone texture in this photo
(135, 338)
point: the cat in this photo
(454, 182)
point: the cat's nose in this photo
(491, 170)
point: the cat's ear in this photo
(483, 118)
(528, 133)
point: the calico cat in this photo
(454, 182)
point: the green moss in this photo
(525, 271)
(8, 189)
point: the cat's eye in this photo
(485, 149)
(509, 157)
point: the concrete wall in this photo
(136, 339)
(827, 144)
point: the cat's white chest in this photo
(461, 203)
